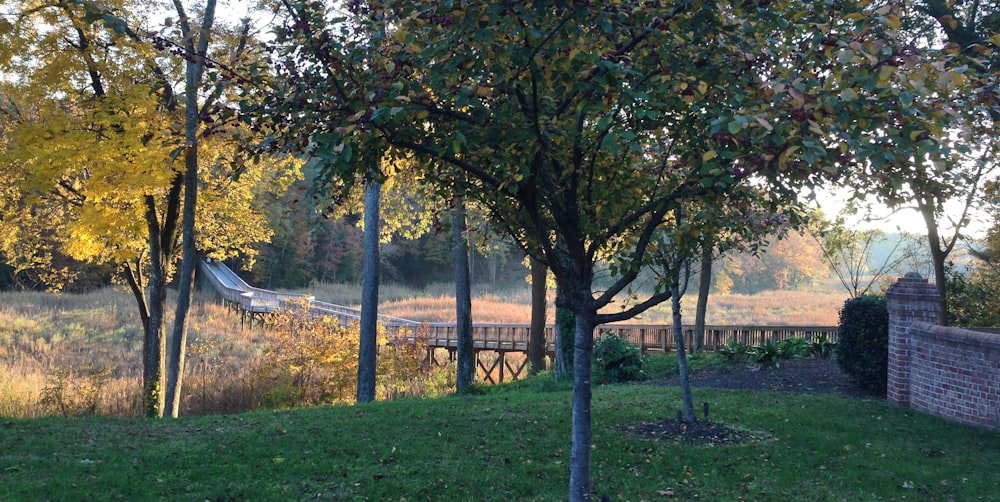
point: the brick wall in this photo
(949, 372)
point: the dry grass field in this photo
(69, 354)
(803, 308)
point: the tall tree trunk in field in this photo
(369, 294)
(162, 235)
(195, 66)
(463, 301)
(536, 333)
(704, 288)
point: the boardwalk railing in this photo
(649, 337)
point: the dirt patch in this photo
(812, 375)
(700, 433)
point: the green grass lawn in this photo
(505, 446)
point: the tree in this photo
(850, 252)
(195, 43)
(95, 140)
(466, 370)
(794, 259)
(369, 295)
(704, 289)
(975, 293)
(580, 129)
(742, 223)
(536, 336)
(932, 133)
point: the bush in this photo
(314, 361)
(76, 393)
(735, 352)
(822, 347)
(768, 355)
(971, 297)
(795, 347)
(617, 360)
(863, 348)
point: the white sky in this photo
(908, 220)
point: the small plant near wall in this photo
(796, 347)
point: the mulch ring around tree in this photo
(701, 433)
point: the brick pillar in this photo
(910, 299)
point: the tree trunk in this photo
(178, 342)
(682, 365)
(704, 288)
(369, 294)
(938, 257)
(154, 343)
(463, 301)
(565, 334)
(536, 334)
(579, 470)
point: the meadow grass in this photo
(51, 343)
(48, 339)
(511, 445)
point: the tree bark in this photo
(938, 257)
(682, 365)
(579, 470)
(153, 342)
(704, 288)
(195, 66)
(369, 295)
(565, 335)
(463, 301)
(536, 333)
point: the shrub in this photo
(822, 347)
(971, 297)
(795, 347)
(863, 350)
(314, 361)
(75, 393)
(617, 360)
(735, 352)
(767, 355)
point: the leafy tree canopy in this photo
(593, 130)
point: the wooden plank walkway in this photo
(504, 345)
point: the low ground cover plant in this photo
(770, 354)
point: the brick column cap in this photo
(912, 284)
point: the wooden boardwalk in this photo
(500, 348)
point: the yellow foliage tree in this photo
(91, 162)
